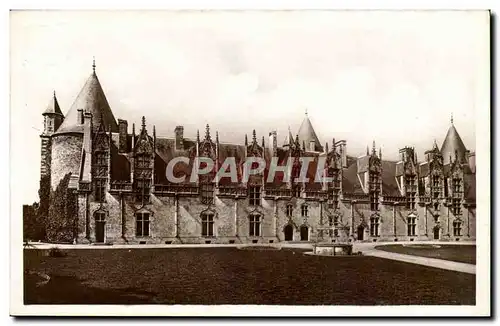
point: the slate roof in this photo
(451, 144)
(53, 107)
(307, 134)
(90, 99)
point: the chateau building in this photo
(123, 194)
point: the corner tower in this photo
(52, 119)
(71, 143)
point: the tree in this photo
(61, 221)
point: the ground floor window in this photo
(457, 228)
(412, 225)
(374, 223)
(207, 224)
(254, 225)
(142, 224)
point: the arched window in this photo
(374, 224)
(255, 221)
(142, 224)
(207, 224)
(412, 225)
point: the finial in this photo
(303, 145)
(246, 140)
(54, 93)
(198, 135)
(367, 150)
(93, 64)
(306, 112)
(207, 132)
(263, 144)
(380, 152)
(452, 118)
(297, 140)
(154, 131)
(143, 122)
(133, 129)
(254, 136)
(374, 151)
(216, 136)
(326, 147)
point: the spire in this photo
(53, 107)
(380, 152)
(374, 151)
(143, 123)
(217, 137)
(154, 131)
(453, 144)
(133, 129)
(367, 150)
(290, 136)
(91, 99)
(326, 147)
(198, 135)
(207, 133)
(307, 134)
(246, 140)
(263, 144)
(254, 136)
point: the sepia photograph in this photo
(169, 161)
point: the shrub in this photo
(61, 223)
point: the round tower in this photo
(89, 109)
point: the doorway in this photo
(288, 233)
(436, 233)
(304, 233)
(100, 223)
(361, 233)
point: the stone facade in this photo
(124, 196)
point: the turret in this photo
(52, 119)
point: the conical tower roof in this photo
(53, 107)
(307, 134)
(453, 144)
(90, 99)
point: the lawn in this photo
(232, 276)
(458, 253)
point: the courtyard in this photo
(234, 276)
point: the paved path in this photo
(431, 262)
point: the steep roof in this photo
(53, 107)
(90, 99)
(451, 144)
(307, 134)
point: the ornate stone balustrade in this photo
(353, 196)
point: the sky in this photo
(390, 77)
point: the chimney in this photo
(80, 117)
(179, 138)
(273, 142)
(123, 135)
(341, 145)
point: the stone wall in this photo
(66, 157)
(177, 220)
